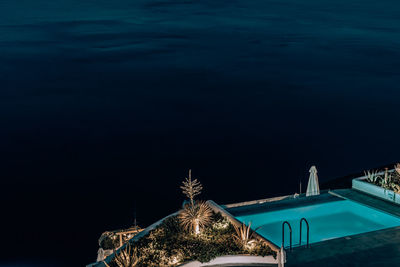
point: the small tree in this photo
(191, 188)
(194, 215)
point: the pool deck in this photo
(378, 248)
(369, 200)
(287, 202)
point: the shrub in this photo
(196, 217)
(109, 242)
(262, 249)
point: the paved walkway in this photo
(380, 248)
(288, 202)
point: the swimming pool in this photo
(326, 221)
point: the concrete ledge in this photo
(232, 260)
(259, 201)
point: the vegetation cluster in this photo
(196, 233)
(111, 240)
(108, 241)
(170, 244)
(389, 179)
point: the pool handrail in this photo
(308, 231)
(283, 234)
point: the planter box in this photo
(362, 185)
(242, 260)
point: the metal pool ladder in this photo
(308, 232)
(283, 233)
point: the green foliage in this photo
(172, 225)
(125, 257)
(109, 243)
(372, 176)
(191, 188)
(170, 245)
(389, 181)
(195, 217)
(262, 249)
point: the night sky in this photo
(105, 105)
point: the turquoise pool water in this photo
(327, 221)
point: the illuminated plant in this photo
(126, 257)
(193, 218)
(396, 188)
(397, 168)
(244, 235)
(191, 188)
(387, 180)
(372, 176)
(396, 173)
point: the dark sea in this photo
(105, 105)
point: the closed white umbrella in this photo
(313, 185)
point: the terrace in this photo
(339, 227)
(368, 248)
(375, 248)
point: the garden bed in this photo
(170, 245)
(195, 235)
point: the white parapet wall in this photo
(258, 201)
(233, 260)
